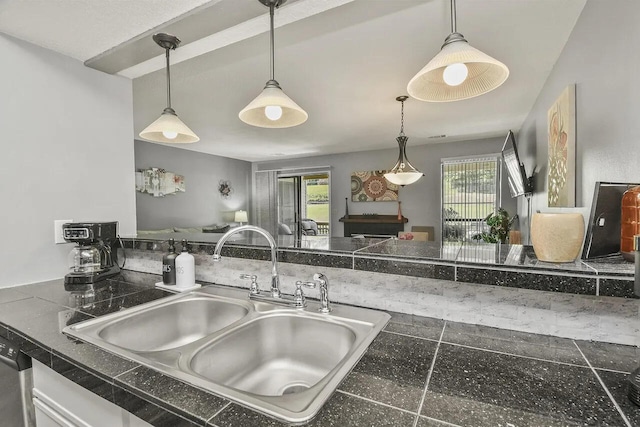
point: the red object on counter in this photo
(629, 221)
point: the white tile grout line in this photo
(497, 352)
(426, 384)
(218, 413)
(624, 417)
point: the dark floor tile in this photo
(417, 326)
(340, 411)
(149, 412)
(511, 386)
(616, 357)
(543, 347)
(617, 384)
(195, 404)
(393, 371)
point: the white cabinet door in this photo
(50, 414)
(61, 402)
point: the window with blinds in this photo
(470, 192)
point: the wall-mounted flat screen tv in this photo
(519, 183)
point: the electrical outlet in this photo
(57, 230)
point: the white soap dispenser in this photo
(185, 268)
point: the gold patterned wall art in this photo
(371, 186)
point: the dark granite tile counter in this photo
(513, 266)
(418, 372)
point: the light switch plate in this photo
(57, 230)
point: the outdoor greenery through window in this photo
(470, 192)
(315, 196)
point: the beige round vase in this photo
(557, 237)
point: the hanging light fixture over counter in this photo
(168, 127)
(403, 173)
(459, 71)
(273, 108)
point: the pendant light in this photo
(403, 172)
(168, 127)
(273, 108)
(459, 71)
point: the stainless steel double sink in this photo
(281, 361)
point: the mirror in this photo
(605, 121)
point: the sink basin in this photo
(280, 361)
(172, 325)
(275, 355)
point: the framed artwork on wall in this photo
(158, 182)
(561, 125)
(371, 186)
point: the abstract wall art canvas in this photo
(371, 186)
(561, 177)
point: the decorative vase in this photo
(557, 237)
(346, 207)
(399, 211)
(629, 221)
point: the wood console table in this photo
(386, 225)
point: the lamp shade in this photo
(403, 178)
(241, 216)
(170, 129)
(403, 172)
(255, 113)
(484, 73)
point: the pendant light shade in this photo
(168, 127)
(273, 108)
(459, 71)
(403, 172)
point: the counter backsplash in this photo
(580, 301)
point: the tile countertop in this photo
(418, 372)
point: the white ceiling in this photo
(343, 61)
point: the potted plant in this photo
(499, 225)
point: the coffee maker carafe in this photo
(94, 258)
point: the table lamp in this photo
(241, 216)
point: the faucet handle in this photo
(254, 289)
(299, 300)
(323, 282)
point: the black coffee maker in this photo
(94, 259)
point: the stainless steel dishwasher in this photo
(16, 404)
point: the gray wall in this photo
(67, 153)
(201, 205)
(420, 201)
(600, 59)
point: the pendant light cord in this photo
(273, 65)
(168, 80)
(454, 28)
(402, 118)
